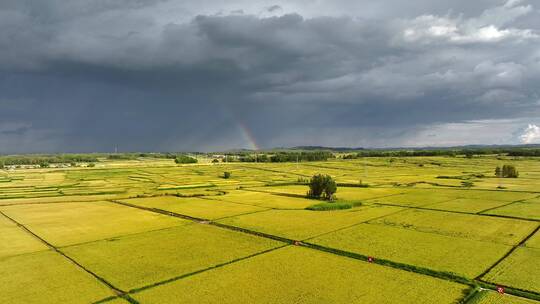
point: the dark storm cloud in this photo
(165, 75)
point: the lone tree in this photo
(507, 171)
(322, 186)
(226, 174)
(510, 171)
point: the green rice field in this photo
(152, 231)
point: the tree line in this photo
(445, 152)
(44, 160)
(282, 157)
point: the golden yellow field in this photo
(151, 231)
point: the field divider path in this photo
(448, 276)
(120, 293)
(471, 295)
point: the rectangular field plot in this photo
(266, 200)
(16, 241)
(70, 223)
(492, 297)
(497, 195)
(303, 224)
(47, 277)
(59, 199)
(470, 205)
(300, 275)
(139, 260)
(520, 270)
(417, 198)
(527, 210)
(473, 227)
(464, 257)
(195, 207)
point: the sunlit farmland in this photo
(152, 231)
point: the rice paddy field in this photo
(422, 230)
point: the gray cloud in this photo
(160, 75)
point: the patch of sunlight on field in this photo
(195, 207)
(300, 275)
(473, 227)
(265, 200)
(520, 270)
(139, 260)
(47, 277)
(443, 253)
(64, 224)
(303, 224)
(492, 297)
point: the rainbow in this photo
(248, 136)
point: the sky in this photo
(211, 75)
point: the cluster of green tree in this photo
(516, 151)
(322, 186)
(157, 155)
(507, 171)
(45, 160)
(184, 159)
(135, 155)
(525, 152)
(407, 153)
(282, 157)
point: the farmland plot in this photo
(299, 275)
(520, 270)
(46, 277)
(463, 257)
(65, 224)
(480, 228)
(416, 214)
(303, 224)
(195, 207)
(140, 260)
(265, 200)
(526, 209)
